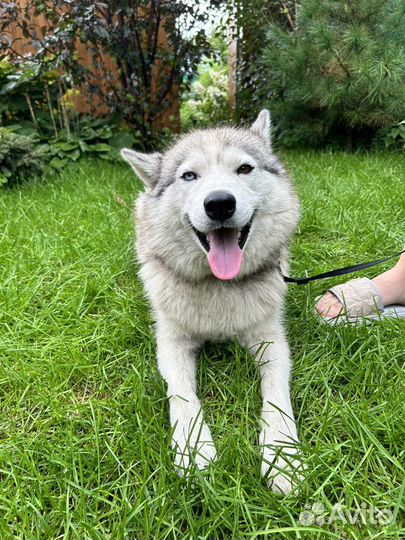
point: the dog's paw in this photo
(282, 476)
(282, 468)
(193, 447)
(281, 484)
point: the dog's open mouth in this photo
(224, 249)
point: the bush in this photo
(207, 101)
(91, 137)
(338, 74)
(140, 51)
(31, 94)
(21, 158)
(392, 138)
(25, 157)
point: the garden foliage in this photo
(331, 72)
(140, 50)
(251, 21)
(37, 103)
(338, 73)
(21, 158)
(206, 103)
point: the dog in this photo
(213, 227)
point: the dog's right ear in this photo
(261, 126)
(146, 166)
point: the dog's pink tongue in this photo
(225, 256)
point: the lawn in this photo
(85, 451)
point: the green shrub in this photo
(91, 137)
(337, 75)
(152, 46)
(392, 138)
(38, 100)
(207, 101)
(21, 157)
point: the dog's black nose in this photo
(220, 205)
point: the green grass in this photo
(85, 451)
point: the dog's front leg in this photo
(176, 353)
(278, 437)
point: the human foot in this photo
(388, 288)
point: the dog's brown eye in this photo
(188, 176)
(245, 169)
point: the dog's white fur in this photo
(191, 306)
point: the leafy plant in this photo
(33, 94)
(140, 50)
(207, 101)
(92, 137)
(392, 138)
(25, 157)
(337, 74)
(21, 158)
(30, 107)
(249, 25)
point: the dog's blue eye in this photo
(188, 176)
(245, 169)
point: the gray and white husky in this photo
(213, 226)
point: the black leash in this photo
(340, 271)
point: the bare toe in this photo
(329, 305)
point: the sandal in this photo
(361, 302)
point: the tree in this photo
(252, 19)
(140, 49)
(338, 72)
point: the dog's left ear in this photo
(261, 126)
(146, 166)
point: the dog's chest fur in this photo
(211, 309)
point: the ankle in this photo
(391, 285)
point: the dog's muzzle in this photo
(224, 248)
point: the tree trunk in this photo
(349, 139)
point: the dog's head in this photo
(218, 201)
